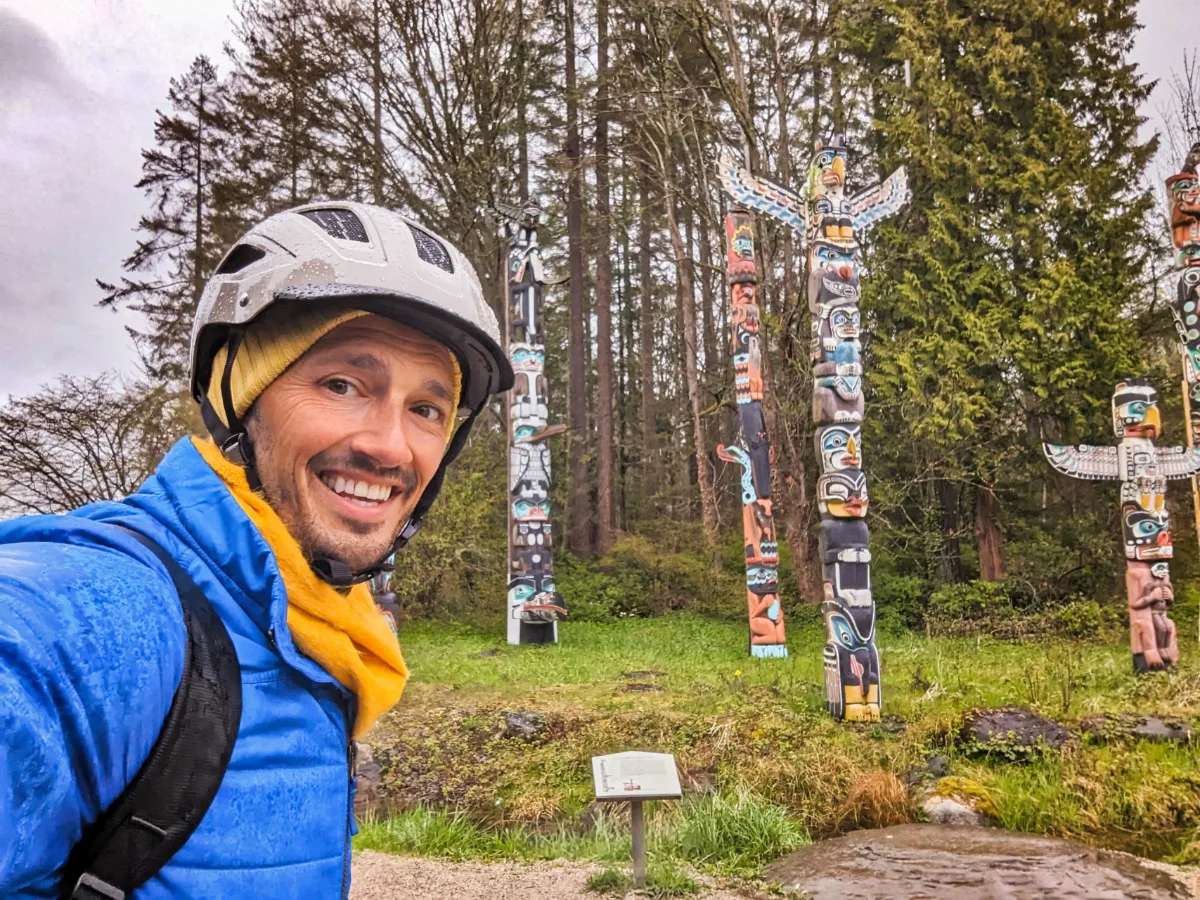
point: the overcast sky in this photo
(80, 81)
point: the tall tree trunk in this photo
(522, 129)
(989, 540)
(687, 303)
(197, 264)
(605, 524)
(377, 120)
(951, 555)
(646, 344)
(579, 532)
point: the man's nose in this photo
(384, 437)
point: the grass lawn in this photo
(766, 768)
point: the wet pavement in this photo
(916, 862)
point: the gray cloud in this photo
(29, 58)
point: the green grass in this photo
(764, 765)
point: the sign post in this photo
(636, 777)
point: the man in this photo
(340, 354)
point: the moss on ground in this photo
(755, 729)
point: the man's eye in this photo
(428, 411)
(339, 386)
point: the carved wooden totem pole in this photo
(1184, 191)
(832, 224)
(754, 454)
(534, 606)
(1143, 471)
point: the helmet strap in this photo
(232, 438)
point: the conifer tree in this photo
(179, 243)
(997, 304)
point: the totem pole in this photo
(534, 606)
(832, 225)
(1184, 192)
(1143, 471)
(754, 454)
(385, 597)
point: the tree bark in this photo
(646, 346)
(951, 558)
(605, 524)
(989, 540)
(579, 532)
(687, 303)
(377, 119)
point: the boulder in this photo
(959, 801)
(1131, 726)
(1010, 731)
(525, 724)
(916, 862)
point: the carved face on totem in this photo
(827, 187)
(832, 275)
(739, 233)
(834, 325)
(1147, 534)
(532, 508)
(527, 358)
(1184, 190)
(839, 447)
(843, 494)
(1135, 410)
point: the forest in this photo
(1026, 275)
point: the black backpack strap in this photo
(161, 807)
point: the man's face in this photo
(348, 437)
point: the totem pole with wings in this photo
(1143, 471)
(832, 225)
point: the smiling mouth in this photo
(360, 492)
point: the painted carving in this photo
(767, 637)
(832, 225)
(385, 597)
(534, 606)
(1143, 471)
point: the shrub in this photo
(737, 831)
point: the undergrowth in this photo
(764, 768)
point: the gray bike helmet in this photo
(367, 258)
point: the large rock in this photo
(1131, 726)
(959, 801)
(525, 724)
(917, 862)
(1010, 731)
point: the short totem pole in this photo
(1143, 471)
(832, 225)
(534, 606)
(754, 454)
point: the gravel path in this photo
(381, 876)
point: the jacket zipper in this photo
(351, 765)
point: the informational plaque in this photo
(636, 776)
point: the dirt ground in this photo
(381, 876)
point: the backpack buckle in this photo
(89, 887)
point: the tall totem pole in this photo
(754, 454)
(534, 606)
(1143, 471)
(1184, 192)
(832, 224)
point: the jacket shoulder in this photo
(91, 652)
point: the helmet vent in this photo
(239, 257)
(431, 249)
(339, 223)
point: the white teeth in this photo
(358, 491)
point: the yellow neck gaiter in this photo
(343, 633)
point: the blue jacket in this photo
(91, 651)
